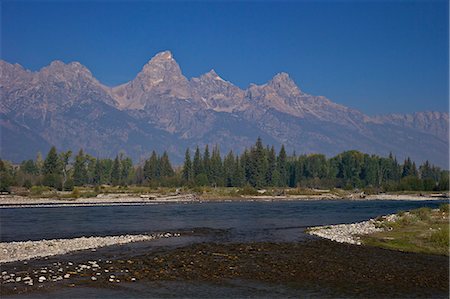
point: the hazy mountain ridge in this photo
(64, 105)
(432, 122)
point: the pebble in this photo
(93, 278)
(66, 275)
(42, 279)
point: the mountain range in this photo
(64, 105)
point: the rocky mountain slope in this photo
(64, 105)
(435, 123)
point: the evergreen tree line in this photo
(259, 166)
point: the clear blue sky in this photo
(375, 56)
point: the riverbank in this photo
(421, 230)
(110, 199)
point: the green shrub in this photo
(75, 193)
(444, 207)
(27, 184)
(422, 213)
(89, 194)
(38, 190)
(441, 238)
(248, 190)
(68, 186)
(406, 220)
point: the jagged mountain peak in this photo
(56, 64)
(212, 75)
(163, 60)
(164, 55)
(160, 77)
(9, 70)
(281, 77)
(69, 71)
(283, 81)
(161, 66)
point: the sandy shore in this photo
(20, 251)
(13, 201)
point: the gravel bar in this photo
(19, 251)
(350, 233)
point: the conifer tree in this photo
(197, 164)
(258, 165)
(187, 167)
(79, 169)
(90, 168)
(115, 172)
(51, 163)
(151, 167)
(228, 169)
(5, 176)
(239, 173)
(165, 167)
(207, 164)
(64, 158)
(29, 167)
(107, 165)
(97, 178)
(407, 168)
(272, 176)
(52, 169)
(126, 170)
(216, 167)
(282, 167)
(39, 163)
(426, 171)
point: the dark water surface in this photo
(247, 221)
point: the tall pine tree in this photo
(79, 169)
(187, 167)
(52, 169)
(115, 172)
(282, 167)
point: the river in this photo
(216, 222)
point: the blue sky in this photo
(375, 56)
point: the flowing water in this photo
(247, 221)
